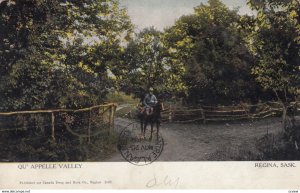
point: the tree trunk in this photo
(285, 105)
(284, 116)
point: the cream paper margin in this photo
(190, 175)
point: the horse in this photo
(153, 117)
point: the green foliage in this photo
(275, 42)
(147, 65)
(57, 54)
(64, 57)
(120, 98)
(45, 149)
(282, 146)
(70, 54)
(209, 49)
(28, 138)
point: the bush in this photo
(46, 150)
(282, 146)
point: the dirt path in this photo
(198, 142)
(122, 106)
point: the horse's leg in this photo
(157, 129)
(145, 127)
(152, 123)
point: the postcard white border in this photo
(164, 175)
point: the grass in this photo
(270, 147)
(102, 149)
(121, 98)
(18, 148)
(128, 112)
(232, 152)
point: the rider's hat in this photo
(151, 89)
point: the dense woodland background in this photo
(74, 54)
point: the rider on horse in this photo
(149, 102)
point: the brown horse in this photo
(153, 117)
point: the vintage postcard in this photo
(149, 94)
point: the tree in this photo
(58, 54)
(275, 42)
(208, 45)
(147, 65)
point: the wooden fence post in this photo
(53, 127)
(203, 116)
(113, 116)
(170, 113)
(110, 118)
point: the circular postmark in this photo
(137, 150)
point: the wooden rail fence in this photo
(222, 113)
(104, 114)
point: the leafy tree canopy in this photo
(59, 53)
(209, 46)
(275, 42)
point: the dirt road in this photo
(199, 142)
